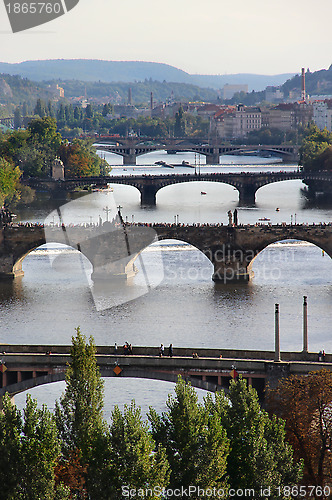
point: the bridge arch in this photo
(323, 247)
(162, 376)
(245, 183)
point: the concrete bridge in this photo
(148, 185)
(131, 148)
(113, 250)
(26, 366)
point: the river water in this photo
(184, 307)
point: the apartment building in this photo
(322, 114)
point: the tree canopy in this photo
(316, 150)
(305, 404)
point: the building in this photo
(273, 94)
(322, 114)
(281, 117)
(233, 122)
(229, 90)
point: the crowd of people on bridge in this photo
(6, 217)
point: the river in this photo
(185, 307)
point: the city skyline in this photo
(217, 40)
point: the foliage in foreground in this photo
(316, 150)
(305, 404)
(226, 441)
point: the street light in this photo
(107, 210)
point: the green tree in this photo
(17, 118)
(260, 455)
(135, 464)
(29, 449)
(43, 131)
(9, 182)
(195, 441)
(79, 413)
(10, 448)
(40, 451)
(313, 148)
(89, 111)
(40, 108)
(180, 123)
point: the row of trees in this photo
(72, 121)
(226, 442)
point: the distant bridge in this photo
(148, 185)
(112, 251)
(131, 148)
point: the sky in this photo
(197, 36)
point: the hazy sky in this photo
(205, 36)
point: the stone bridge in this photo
(26, 366)
(112, 250)
(129, 149)
(148, 185)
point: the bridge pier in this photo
(232, 263)
(113, 272)
(247, 194)
(130, 158)
(8, 270)
(213, 159)
(148, 194)
(228, 273)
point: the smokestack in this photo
(130, 99)
(151, 100)
(303, 94)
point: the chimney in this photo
(303, 94)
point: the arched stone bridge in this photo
(28, 366)
(130, 148)
(148, 185)
(112, 250)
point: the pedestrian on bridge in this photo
(161, 350)
(170, 350)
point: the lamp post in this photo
(277, 335)
(305, 324)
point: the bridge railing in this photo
(147, 351)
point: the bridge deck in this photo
(31, 366)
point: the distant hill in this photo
(15, 90)
(255, 82)
(131, 71)
(317, 82)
